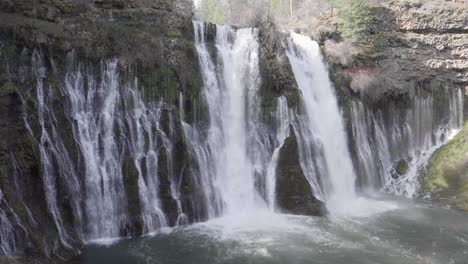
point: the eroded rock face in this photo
(277, 76)
(409, 42)
(293, 192)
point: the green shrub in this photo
(354, 17)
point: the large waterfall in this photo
(324, 124)
(116, 162)
(240, 150)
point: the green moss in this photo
(448, 171)
(161, 83)
(8, 87)
(354, 18)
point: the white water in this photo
(49, 147)
(239, 64)
(242, 150)
(412, 135)
(94, 111)
(282, 126)
(110, 121)
(227, 86)
(143, 123)
(7, 235)
(324, 122)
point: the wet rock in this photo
(400, 168)
(130, 175)
(277, 76)
(6, 5)
(293, 192)
(119, 4)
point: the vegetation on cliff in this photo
(447, 176)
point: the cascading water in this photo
(7, 235)
(51, 148)
(119, 168)
(111, 126)
(283, 122)
(323, 125)
(226, 91)
(239, 64)
(242, 151)
(95, 112)
(142, 121)
(392, 150)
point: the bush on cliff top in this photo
(355, 17)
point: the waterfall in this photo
(51, 148)
(282, 126)
(116, 164)
(240, 149)
(394, 145)
(113, 129)
(94, 109)
(13, 234)
(7, 235)
(239, 64)
(227, 85)
(143, 126)
(321, 131)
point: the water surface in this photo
(406, 233)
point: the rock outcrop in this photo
(408, 42)
(293, 191)
(278, 78)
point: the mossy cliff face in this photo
(447, 175)
(21, 181)
(151, 40)
(277, 76)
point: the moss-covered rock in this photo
(400, 168)
(447, 175)
(293, 191)
(131, 177)
(7, 88)
(277, 75)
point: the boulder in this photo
(293, 191)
